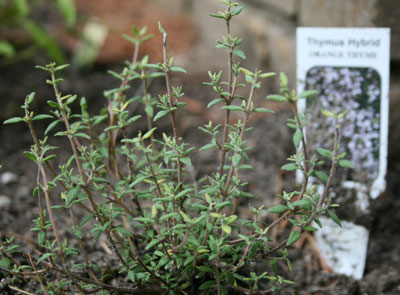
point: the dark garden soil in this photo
(271, 143)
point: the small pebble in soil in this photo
(5, 202)
(8, 177)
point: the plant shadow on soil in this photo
(271, 142)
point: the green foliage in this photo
(18, 14)
(169, 234)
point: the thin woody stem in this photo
(172, 103)
(74, 141)
(148, 118)
(112, 117)
(55, 230)
(228, 101)
(36, 274)
(39, 148)
(306, 167)
(330, 179)
(242, 132)
(324, 194)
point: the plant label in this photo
(344, 249)
(349, 68)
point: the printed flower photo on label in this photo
(357, 90)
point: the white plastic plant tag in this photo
(344, 249)
(349, 67)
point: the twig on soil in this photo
(19, 290)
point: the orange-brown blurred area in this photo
(120, 15)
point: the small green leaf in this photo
(343, 114)
(186, 161)
(293, 237)
(123, 231)
(71, 99)
(178, 69)
(133, 119)
(302, 203)
(217, 15)
(223, 204)
(324, 152)
(310, 228)
(41, 237)
(156, 75)
(149, 133)
(232, 108)
(322, 176)
(267, 75)
(31, 156)
(208, 146)
(13, 120)
(208, 285)
(42, 68)
(264, 110)
(288, 282)
(53, 104)
(246, 72)
(239, 53)
(290, 167)
(214, 102)
(160, 27)
(237, 10)
(51, 126)
(297, 137)
(327, 113)
(44, 257)
(72, 195)
(277, 209)
(152, 244)
(250, 79)
(283, 79)
(185, 216)
(112, 128)
(231, 219)
(236, 160)
(83, 135)
(160, 114)
(215, 215)
(318, 222)
(307, 94)
(227, 229)
(131, 40)
(51, 157)
(149, 110)
(276, 97)
(61, 67)
(334, 217)
(184, 193)
(31, 97)
(346, 164)
(154, 66)
(41, 117)
(131, 276)
(5, 263)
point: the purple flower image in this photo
(358, 91)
